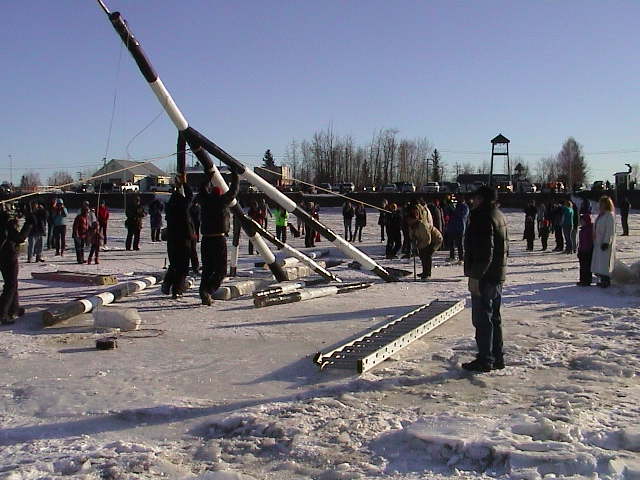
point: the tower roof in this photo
(500, 139)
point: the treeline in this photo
(387, 158)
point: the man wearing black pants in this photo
(135, 213)
(10, 239)
(625, 205)
(485, 261)
(180, 236)
(215, 225)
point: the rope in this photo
(327, 191)
(144, 161)
(142, 333)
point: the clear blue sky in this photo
(255, 74)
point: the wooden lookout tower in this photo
(500, 147)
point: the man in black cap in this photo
(215, 218)
(485, 262)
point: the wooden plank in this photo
(76, 277)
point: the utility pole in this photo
(11, 170)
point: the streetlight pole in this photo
(11, 170)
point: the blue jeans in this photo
(34, 247)
(485, 315)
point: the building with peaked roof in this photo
(128, 171)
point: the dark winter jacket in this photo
(486, 245)
(194, 211)
(585, 207)
(135, 213)
(179, 226)
(458, 221)
(155, 213)
(348, 212)
(394, 222)
(11, 237)
(361, 217)
(576, 218)
(531, 211)
(214, 213)
(585, 237)
(625, 205)
(529, 228)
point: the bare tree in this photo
(547, 170)
(60, 177)
(30, 180)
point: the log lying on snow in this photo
(76, 277)
(287, 261)
(240, 288)
(287, 287)
(308, 294)
(69, 310)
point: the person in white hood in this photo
(604, 242)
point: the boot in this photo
(206, 298)
(89, 260)
(477, 365)
(97, 262)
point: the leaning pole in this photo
(197, 141)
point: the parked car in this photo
(84, 188)
(597, 186)
(431, 187)
(6, 188)
(369, 188)
(129, 187)
(407, 187)
(347, 187)
(326, 187)
(389, 188)
(106, 187)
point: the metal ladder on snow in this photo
(367, 351)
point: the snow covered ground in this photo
(231, 392)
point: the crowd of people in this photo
(418, 228)
(575, 232)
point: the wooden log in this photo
(308, 294)
(76, 277)
(69, 310)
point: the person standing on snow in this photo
(585, 250)
(567, 226)
(361, 222)
(604, 242)
(79, 233)
(485, 263)
(394, 231)
(155, 218)
(347, 220)
(425, 237)
(625, 205)
(10, 239)
(382, 219)
(215, 229)
(59, 219)
(281, 217)
(103, 220)
(135, 213)
(455, 230)
(180, 235)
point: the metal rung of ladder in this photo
(369, 350)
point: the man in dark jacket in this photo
(215, 226)
(455, 230)
(485, 261)
(180, 235)
(625, 205)
(10, 238)
(135, 213)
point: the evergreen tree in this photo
(435, 165)
(268, 161)
(572, 167)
